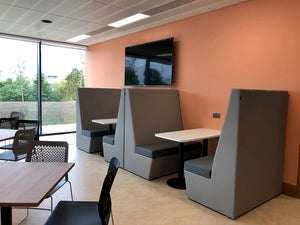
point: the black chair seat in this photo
(75, 213)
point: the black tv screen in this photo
(149, 64)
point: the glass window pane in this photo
(18, 78)
(62, 73)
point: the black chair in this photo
(20, 115)
(50, 151)
(28, 124)
(9, 123)
(84, 212)
(22, 140)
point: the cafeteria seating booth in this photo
(150, 111)
(94, 103)
(247, 167)
(113, 144)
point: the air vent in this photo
(167, 6)
(100, 30)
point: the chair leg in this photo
(51, 203)
(71, 190)
(112, 217)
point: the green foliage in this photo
(22, 90)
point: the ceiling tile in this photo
(47, 5)
(31, 17)
(102, 13)
(86, 9)
(126, 3)
(13, 14)
(28, 4)
(8, 2)
(3, 9)
(68, 6)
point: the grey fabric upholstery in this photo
(201, 166)
(248, 165)
(150, 111)
(109, 139)
(166, 148)
(94, 103)
(113, 145)
(94, 133)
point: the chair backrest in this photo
(20, 115)
(29, 124)
(9, 123)
(47, 151)
(22, 140)
(104, 204)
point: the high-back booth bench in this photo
(94, 103)
(247, 167)
(150, 111)
(113, 144)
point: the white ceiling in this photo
(74, 17)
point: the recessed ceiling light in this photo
(79, 38)
(128, 20)
(46, 21)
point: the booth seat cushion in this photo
(162, 149)
(109, 139)
(94, 133)
(201, 166)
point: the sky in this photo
(55, 60)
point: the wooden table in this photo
(185, 136)
(109, 122)
(6, 134)
(27, 184)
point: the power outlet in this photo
(217, 115)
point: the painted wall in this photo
(254, 44)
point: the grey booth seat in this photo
(247, 167)
(113, 145)
(94, 103)
(150, 111)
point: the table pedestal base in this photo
(177, 183)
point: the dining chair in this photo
(50, 151)
(21, 142)
(28, 124)
(20, 115)
(9, 123)
(87, 212)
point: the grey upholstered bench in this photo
(94, 133)
(109, 139)
(161, 149)
(201, 166)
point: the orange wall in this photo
(254, 44)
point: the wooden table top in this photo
(6, 134)
(106, 121)
(28, 183)
(189, 135)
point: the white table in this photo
(27, 184)
(6, 134)
(185, 136)
(109, 122)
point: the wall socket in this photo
(217, 115)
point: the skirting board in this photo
(290, 190)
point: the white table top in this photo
(27, 183)
(6, 134)
(105, 121)
(189, 135)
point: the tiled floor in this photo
(140, 202)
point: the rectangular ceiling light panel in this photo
(128, 20)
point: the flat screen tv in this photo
(149, 64)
